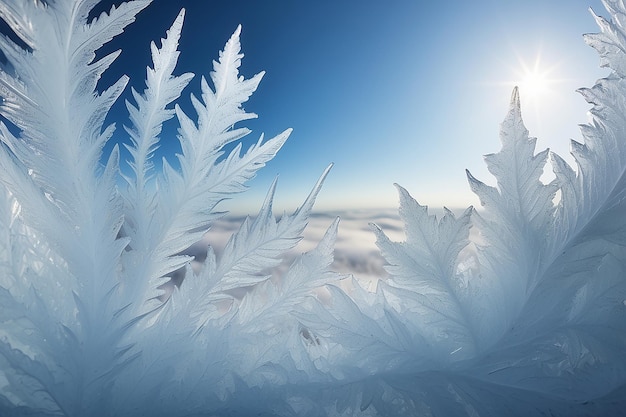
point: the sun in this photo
(534, 84)
(536, 81)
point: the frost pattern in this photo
(528, 320)
(89, 327)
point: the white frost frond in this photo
(102, 314)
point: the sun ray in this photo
(536, 81)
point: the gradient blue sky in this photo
(403, 91)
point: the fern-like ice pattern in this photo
(528, 319)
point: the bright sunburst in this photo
(534, 84)
(536, 81)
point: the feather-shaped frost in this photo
(425, 266)
(84, 331)
(538, 322)
(527, 320)
(517, 220)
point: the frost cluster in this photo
(93, 323)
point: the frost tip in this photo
(515, 102)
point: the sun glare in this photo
(535, 81)
(534, 84)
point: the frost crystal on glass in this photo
(530, 320)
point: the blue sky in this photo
(404, 91)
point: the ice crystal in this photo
(530, 320)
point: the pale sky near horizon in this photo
(411, 92)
